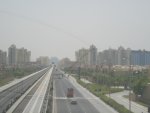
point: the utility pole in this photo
(96, 71)
(79, 69)
(130, 72)
(109, 74)
(109, 84)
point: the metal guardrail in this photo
(47, 97)
(17, 90)
(38, 102)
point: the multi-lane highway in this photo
(63, 105)
(31, 95)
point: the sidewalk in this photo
(135, 107)
(86, 81)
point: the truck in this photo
(70, 92)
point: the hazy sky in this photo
(60, 27)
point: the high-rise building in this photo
(100, 58)
(54, 60)
(28, 56)
(136, 57)
(92, 59)
(3, 58)
(104, 57)
(128, 56)
(147, 58)
(43, 61)
(12, 55)
(18, 57)
(110, 56)
(23, 56)
(82, 56)
(66, 63)
(123, 56)
(140, 57)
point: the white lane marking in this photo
(77, 98)
(53, 111)
(67, 101)
(54, 100)
(81, 107)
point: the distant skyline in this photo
(59, 28)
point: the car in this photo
(74, 102)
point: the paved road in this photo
(12, 93)
(136, 108)
(84, 104)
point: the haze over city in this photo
(59, 28)
(74, 56)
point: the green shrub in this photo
(101, 91)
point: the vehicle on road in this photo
(70, 92)
(74, 102)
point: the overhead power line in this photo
(45, 24)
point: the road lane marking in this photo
(54, 100)
(77, 98)
(65, 97)
(81, 107)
